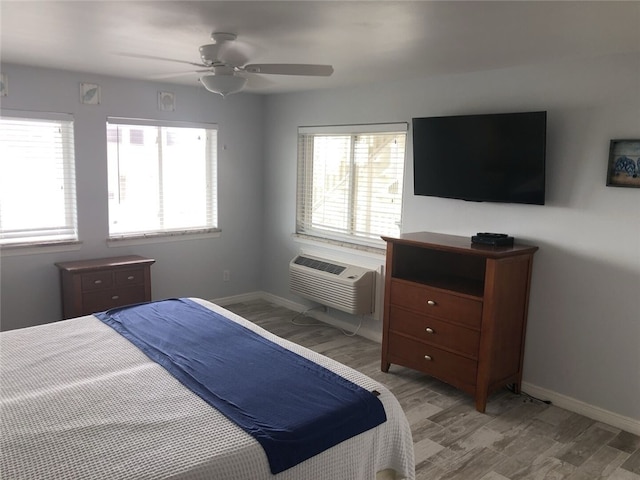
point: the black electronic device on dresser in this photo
(495, 239)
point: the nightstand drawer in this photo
(98, 301)
(448, 367)
(96, 281)
(429, 301)
(436, 332)
(125, 278)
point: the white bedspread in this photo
(79, 401)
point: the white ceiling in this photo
(364, 41)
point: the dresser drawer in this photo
(430, 301)
(96, 280)
(434, 331)
(451, 368)
(98, 284)
(98, 301)
(125, 278)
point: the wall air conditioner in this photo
(338, 285)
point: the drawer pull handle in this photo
(115, 297)
(97, 282)
(431, 302)
(130, 277)
(427, 357)
(429, 330)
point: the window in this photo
(162, 178)
(37, 179)
(350, 182)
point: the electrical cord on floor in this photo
(354, 333)
(511, 388)
(304, 314)
(324, 309)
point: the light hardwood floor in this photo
(517, 438)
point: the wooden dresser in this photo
(457, 311)
(90, 286)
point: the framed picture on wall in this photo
(623, 169)
(90, 94)
(166, 101)
(4, 86)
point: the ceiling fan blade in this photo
(151, 57)
(290, 69)
(176, 74)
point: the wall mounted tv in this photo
(484, 158)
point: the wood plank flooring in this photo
(517, 438)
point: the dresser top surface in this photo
(456, 243)
(102, 263)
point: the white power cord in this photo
(324, 309)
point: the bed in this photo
(79, 400)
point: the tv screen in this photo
(483, 158)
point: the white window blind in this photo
(162, 178)
(350, 181)
(37, 178)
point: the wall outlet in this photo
(226, 276)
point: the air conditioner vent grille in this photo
(342, 286)
(319, 265)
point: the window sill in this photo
(15, 250)
(367, 250)
(161, 238)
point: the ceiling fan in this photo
(226, 77)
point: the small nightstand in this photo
(90, 286)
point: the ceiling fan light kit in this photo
(223, 84)
(223, 78)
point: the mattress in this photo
(79, 401)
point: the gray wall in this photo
(29, 285)
(584, 327)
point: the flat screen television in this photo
(483, 158)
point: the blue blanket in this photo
(292, 406)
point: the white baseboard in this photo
(323, 317)
(627, 424)
(298, 307)
(245, 297)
